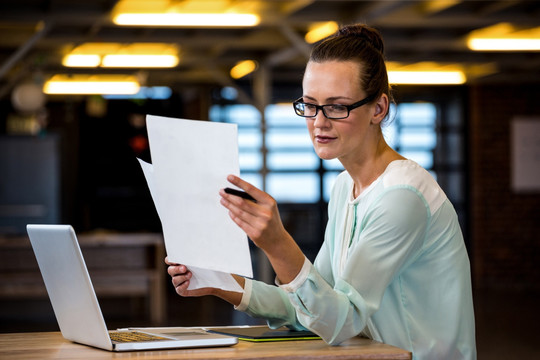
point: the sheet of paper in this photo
(190, 163)
(148, 171)
(201, 277)
(209, 278)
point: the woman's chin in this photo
(325, 155)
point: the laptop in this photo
(76, 306)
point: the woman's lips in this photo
(321, 139)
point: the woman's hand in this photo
(180, 279)
(261, 222)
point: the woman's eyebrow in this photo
(333, 98)
(336, 98)
(308, 97)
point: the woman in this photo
(393, 265)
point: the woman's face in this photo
(337, 82)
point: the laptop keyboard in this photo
(133, 336)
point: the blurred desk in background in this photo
(120, 265)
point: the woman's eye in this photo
(337, 108)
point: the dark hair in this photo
(364, 45)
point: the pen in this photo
(240, 193)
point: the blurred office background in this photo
(68, 155)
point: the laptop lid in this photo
(74, 300)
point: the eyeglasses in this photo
(330, 111)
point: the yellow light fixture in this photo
(434, 6)
(427, 77)
(504, 37)
(91, 85)
(504, 44)
(425, 73)
(187, 19)
(187, 13)
(243, 68)
(140, 61)
(139, 55)
(319, 31)
(81, 60)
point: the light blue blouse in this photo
(393, 267)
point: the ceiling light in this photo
(435, 6)
(139, 55)
(186, 13)
(243, 68)
(504, 37)
(427, 77)
(74, 60)
(504, 44)
(320, 31)
(426, 73)
(91, 84)
(187, 19)
(138, 61)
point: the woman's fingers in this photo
(259, 220)
(250, 217)
(257, 194)
(180, 277)
(177, 269)
(182, 288)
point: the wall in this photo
(505, 226)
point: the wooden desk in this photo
(51, 345)
(120, 264)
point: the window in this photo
(412, 131)
(290, 167)
(248, 120)
(292, 164)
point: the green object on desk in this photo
(265, 334)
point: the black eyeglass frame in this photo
(357, 104)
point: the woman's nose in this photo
(320, 120)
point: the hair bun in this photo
(367, 33)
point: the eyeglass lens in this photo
(331, 111)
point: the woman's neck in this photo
(366, 168)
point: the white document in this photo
(190, 162)
(201, 277)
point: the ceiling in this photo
(35, 34)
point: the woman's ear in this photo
(381, 109)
